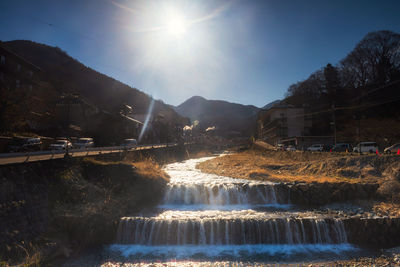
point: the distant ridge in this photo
(230, 119)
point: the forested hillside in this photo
(361, 94)
(64, 75)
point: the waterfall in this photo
(222, 194)
(228, 220)
(135, 230)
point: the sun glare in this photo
(176, 27)
(176, 24)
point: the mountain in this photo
(270, 105)
(69, 75)
(63, 75)
(230, 119)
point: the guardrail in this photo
(21, 157)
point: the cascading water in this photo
(192, 189)
(230, 229)
(208, 216)
(220, 194)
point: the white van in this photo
(370, 147)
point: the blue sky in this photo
(246, 52)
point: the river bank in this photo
(52, 210)
(307, 167)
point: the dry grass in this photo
(102, 162)
(150, 169)
(292, 166)
(146, 167)
(388, 209)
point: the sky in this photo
(246, 52)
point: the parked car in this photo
(84, 143)
(290, 148)
(25, 144)
(342, 147)
(316, 147)
(392, 149)
(61, 145)
(129, 143)
(370, 147)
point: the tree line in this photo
(362, 86)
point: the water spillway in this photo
(189, 186)
(232, 229)
(222, 194)
(214, 216)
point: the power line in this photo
(78, 35)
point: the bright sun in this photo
(176, 25)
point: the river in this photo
(207, 219)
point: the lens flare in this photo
(146, 122)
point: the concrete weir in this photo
(202, 212)
(376, 232)
(315, 194)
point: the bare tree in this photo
(375, 60)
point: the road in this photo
(21, 157)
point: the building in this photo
(76, 116)
(280, 122)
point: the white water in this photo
(226, 251)
(206, 216)
(189, 188)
